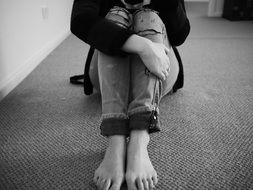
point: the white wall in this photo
(215, 7)
(26, 37)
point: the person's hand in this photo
(155, 57)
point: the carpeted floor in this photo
(50, 131)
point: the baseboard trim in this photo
(8, 84)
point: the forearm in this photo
(88, 24)
(135, 44)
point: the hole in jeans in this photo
(148, 32)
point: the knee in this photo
(147, 22)
(119, 16)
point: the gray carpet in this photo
(50, 131)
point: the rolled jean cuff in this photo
(114, 126)
(144, 121)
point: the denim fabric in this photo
(130, 93)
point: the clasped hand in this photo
(155, 57)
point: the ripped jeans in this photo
(130, 93)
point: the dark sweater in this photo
(89, 25)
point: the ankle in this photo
(139, 137)
(117, 142)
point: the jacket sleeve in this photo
(89, 26)
(175, 19)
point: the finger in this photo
(168, 69)
(167, 50)
(145, 184)
(167, 66)
(163, 74)
(160, 75)
(167, 61)
(166, 74)
(140, 184)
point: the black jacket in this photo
(89, 25)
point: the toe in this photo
(100, 183)
(155, 179)
(115, 186)
(145, 184)
(140, 184)
(131, 184)
(95, 178)
(107, 184)
(150, 183)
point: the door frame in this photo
(215, 8)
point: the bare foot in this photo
(140, 174)
(110, 173)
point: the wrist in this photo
(145, 45)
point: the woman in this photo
(133, 67)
